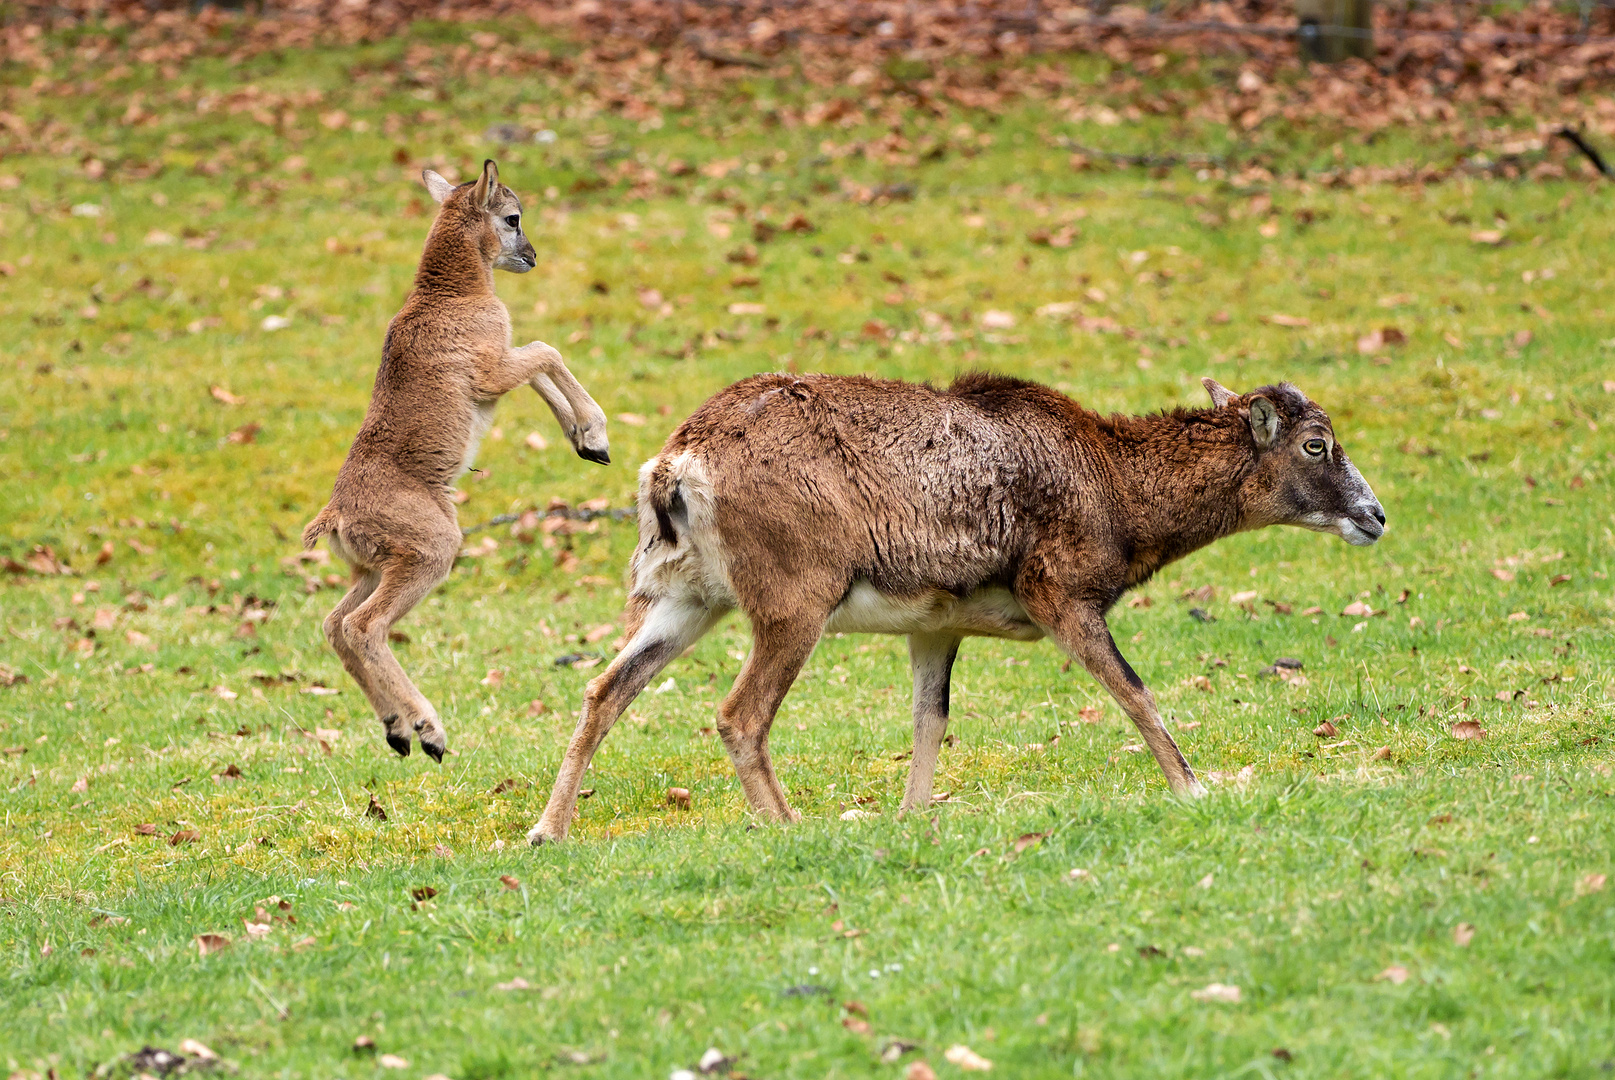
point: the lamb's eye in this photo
(513, 220)
(1315, 447)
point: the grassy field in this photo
(185, 353)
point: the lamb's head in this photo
(1302, 475)
(492, 213)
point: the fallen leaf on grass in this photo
(1326, 730)
(1206, 882)
(184, 836)
(1028, 840)
(1382, 754)
(1490, 237)
(146, 830)
(1590, 884)
(856, 1025)
(208, 944)
(1217, 992)
(1396, 975)
(375, 810)
(1468, 730)
(494, 679)
(920, 1071)
(392, 1061)
(425, 892)
(222, 395)
(198, 1048)
(967, 1059)
(1463, 934)
(518, 983)
(678, 797)
(1295, 322)
(510, 882)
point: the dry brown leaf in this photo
(678, 797)
(208, 944)
(1028, 840)
(1463, 934)
(1228, 995)
(919, 1070)
(1591, 883)
(1396, 975)
(1326, 730)
(184, 836)
(222, 395)
(510, 882)
(967, 1059)
(1468, 730)
(1491, 237)
(1295, 322)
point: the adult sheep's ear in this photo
(1264, 422)
(436, 186)
(487, 186)
(1220, 394)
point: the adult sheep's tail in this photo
(680, 552)
(323, 523)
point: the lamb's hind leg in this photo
(403, 580)
(364, 583)
(931, 659)
(779, 649)
(667, 628)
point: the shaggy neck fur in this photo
(1183, 473)
(453, 263)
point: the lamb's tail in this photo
(323, 523)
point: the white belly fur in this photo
(987, 612)
(481, 421)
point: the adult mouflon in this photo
(446, 361)
(995, 507)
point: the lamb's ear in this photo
(1264, 422)
(436, 186)
(1220, 394)
(487, 186)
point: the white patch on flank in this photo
(991, 612)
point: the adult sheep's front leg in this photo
(1085, 636)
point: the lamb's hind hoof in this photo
(434, 750)
(399, 743)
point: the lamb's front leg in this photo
(583, 421)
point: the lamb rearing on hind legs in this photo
(446, 361)
(996, 507)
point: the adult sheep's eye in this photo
(513, 220)
(1315, 447)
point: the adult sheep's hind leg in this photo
(666, 628)
(403, 581)
(779, 649)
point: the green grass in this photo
(656, 933)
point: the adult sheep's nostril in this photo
(1379, 514)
